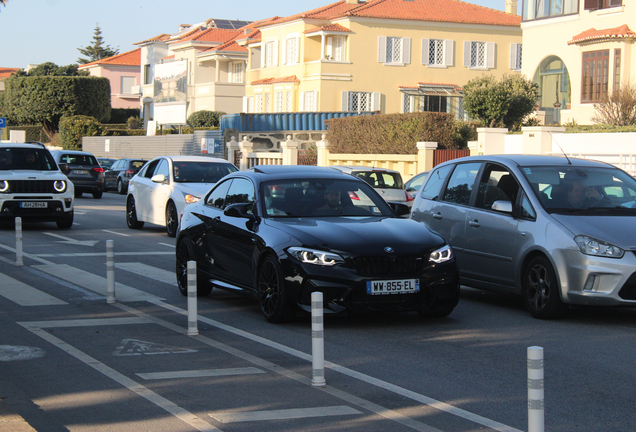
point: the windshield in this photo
(321, 197)
(200, 172)
(381, 179)
(13, 158)
(569, 188)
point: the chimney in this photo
(511, 7)
(355, 2)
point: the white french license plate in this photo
(79, 172)
(32, 204)
(404, 286)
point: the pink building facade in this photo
(123, 72)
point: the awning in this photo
(423, 89)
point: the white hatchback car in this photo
(387, 182)
(166, 184)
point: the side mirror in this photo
(242, 210)
(400, 209)
(158, 178)
(63, 167)
(502, 206)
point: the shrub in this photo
(463, 132)
(73, 128)
(618, 109)
(135, 123)
(205, 118)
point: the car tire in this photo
(185, 253)
(78, 194)
(131, 214)
(172, 219)
(540, 290)
(120, 187)
(67, 222)
(272, 296)
(97, 195)
(438, 309)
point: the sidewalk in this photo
(11, 422)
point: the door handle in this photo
(437, 216)
(474, 223)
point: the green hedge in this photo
(73, 128)
(389, 133)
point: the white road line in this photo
(95, 283)
(25, 295)
(26, 255)
(116, 233)
(175, 410)
(201, 373)
(285, 414)
(169, 245)
(354, 374)
(161, 275)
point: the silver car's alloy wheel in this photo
(541, 291)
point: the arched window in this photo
(554, 84)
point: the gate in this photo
(440, 156)
(307, 157)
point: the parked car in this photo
(33, 186)
(386, 181)
(166, 184)
(523, 224)
(316, 238)
(118, 176)
(415, 183)
(83, 170)
(106, 163)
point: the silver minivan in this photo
(556, 230)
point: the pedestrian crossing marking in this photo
(286, 414)
(161, 275)
(201, 373)
(25, 295)
(131, 347)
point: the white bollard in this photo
(536, 419)
(110, 272)
(317, 341)
(192, 299)
(18, 241)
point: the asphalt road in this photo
(71, 362)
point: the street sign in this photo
(3, 122)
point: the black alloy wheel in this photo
(120, 187)
(540, 290)
(185, 253)
(272, 295)
(172, 220)
(97, 195)
(131, 214)
(67, 222)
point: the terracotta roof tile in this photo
(6, 72)
(211, 35)
(620, 32)
(266, 81)
(328, 28)
(230, 45)
(130, 58)
(454, 11)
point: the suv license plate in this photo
(79, 172)
(32, 204)
(404, 286)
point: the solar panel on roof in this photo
(229, 24)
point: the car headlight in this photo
(59, 185)
(312, 256)
(189, 199)
(443, 254)
(4, 186)
(595, 247)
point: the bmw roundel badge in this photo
(389, 249)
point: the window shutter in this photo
(329, 48)
(513, 56)
(286, 46)
(275, 53)
(591, 4)
(316, 102)
(302, 102)
(425, 51)
(296, 52)
(375, 101)
(345, 101)
(381, 49)
(263, 49)
(490, 55)
(467, 53)
(449, 52)
(406, 50)
(244, 104)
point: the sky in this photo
(38, 31)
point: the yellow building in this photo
(378, 55)
(579, 51)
